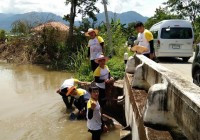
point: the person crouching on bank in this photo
(67, 99)
(81, 98)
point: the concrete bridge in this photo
(159, 104)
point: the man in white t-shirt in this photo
(96, 47)
(145, 39)
(63, 90)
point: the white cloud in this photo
(145, 7)
(20, 6)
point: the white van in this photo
(173, 38)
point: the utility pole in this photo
(109, 34)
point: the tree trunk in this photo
(70, 40)
(109, 34)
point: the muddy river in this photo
(31, 110)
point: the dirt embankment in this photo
(14, 54)
(21, 52)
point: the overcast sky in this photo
(144, 7)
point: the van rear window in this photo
(176, 33)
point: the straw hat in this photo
(100, 57)
(91, 30)
(70, 90)
(139, 49)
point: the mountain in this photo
(125, 18)
(6, 20)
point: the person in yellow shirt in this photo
(145, 39)
(102, 77)
(96, 46)
(67, 99)
(81, 98)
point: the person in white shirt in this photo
(102, 77)
(96, 46)
(145, 39)
(63, 90)
(94, 120)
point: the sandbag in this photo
(130, 66)
(139, 49)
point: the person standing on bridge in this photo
(145, 39)
(96, 47)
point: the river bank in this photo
(21, 52)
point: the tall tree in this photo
(160, 14)
(83, 7)
(186, 8)
(110, 45)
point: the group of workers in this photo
(91, 103)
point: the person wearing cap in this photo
(96, 46)
(145, 41)
(67, 84)
(102, 77)
(81, 98)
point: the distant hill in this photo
(125, 18)
(6, 20)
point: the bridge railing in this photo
(170, 102)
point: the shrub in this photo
(117, 67)
(2, 35)
(85, 73)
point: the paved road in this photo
(178, 66)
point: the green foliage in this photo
(2, 35)
(83, 7)
(160, 14)
(119, 37)
(130, 31)
(197, 30)
(185, 8)
(49, 46)
(21, 27)
(85, 73)
(117, 67)
(115, 64)
(76, 59)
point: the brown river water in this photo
(31, 110)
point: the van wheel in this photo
(196, 78)
(185, 59)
